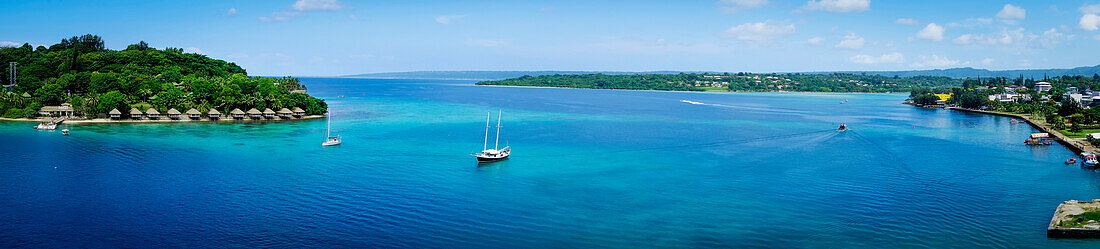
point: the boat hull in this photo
(489, 159)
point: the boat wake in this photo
(760, 109)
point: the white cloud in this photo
(1090, 9)
(851, 41)
(1011, 13)
(731, 6)
(760, 31)
(988, 61)
(193, 50)
(885, 58)
(1018, 37)
(936, 61)
(815, 40)
(279, 16)
(7, 44)
(231, 12)
(907, 21)
(931, 32)
(838, 6)
(447, 19)
(971, 22)
(310, 5)
(963, 39)
(1090, 22)
(1051, 38)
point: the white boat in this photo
(46, 126)
(1090, 160)
(65, 132)
(492, 155)
(329, 139)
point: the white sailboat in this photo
(494, 154)
(329, 139)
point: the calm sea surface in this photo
(590, 168)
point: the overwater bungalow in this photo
(152, 114)
(64, 110)
(237, 113)
(194, 114)
(298, 112)
(285, 113)
(213, 114)
(135, 113)
(174, 114)
(114, 114)
(269, 114)
(255, 114)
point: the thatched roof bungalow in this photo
(152, 113)
(135, 113)
(114, 114)
(285, 113)
(213, 114)
(173, 113)
(237, 113)
(194, 114)
(269, 114)
(298, 112)
(254, 113)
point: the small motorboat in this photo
(843, 127)
(65, 132)
(1014, 121)
(1089, 161)
(1071, 160)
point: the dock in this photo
(1076, 145)
(1076, 219)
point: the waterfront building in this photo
(114, 114)
(64, 110)
(135, 113)
(298, 112)
(285, 113)
(255, 114)
(213, 114)
(173, 113)
(1074, 96)
(269, 114)
(194, 114)
(152, 114)
(237, 113)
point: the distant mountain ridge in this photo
(965, 72)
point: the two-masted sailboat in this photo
(329, 139)
(494, 154)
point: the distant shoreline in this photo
(707, 91)
(166, 120)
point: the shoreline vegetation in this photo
(80, 79)
(124, 121)
(734, 82)
(1064, 106)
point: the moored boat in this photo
(1089, 160)
(492, 155)
(46, 126)
(1039, 139)
(329, 139)
(1071, 160)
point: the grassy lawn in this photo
(1085, 217)
(1079, 134)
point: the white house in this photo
(1042, 86)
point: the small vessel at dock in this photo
(1089, 160)
(1039, 139)
(492, 155)
(329, 139)
(46, 126)
(1071, 160)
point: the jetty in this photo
(1076, 219)
(1076, 145)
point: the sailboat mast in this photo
(328, 130)
(497, 143)
(486, 144)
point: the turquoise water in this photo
(590, 168)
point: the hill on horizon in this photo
(963, 72)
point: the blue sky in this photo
(339, 37)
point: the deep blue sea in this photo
(589, 169)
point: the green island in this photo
(79, 78)
(791, 82)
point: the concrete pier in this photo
(1076, 219)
